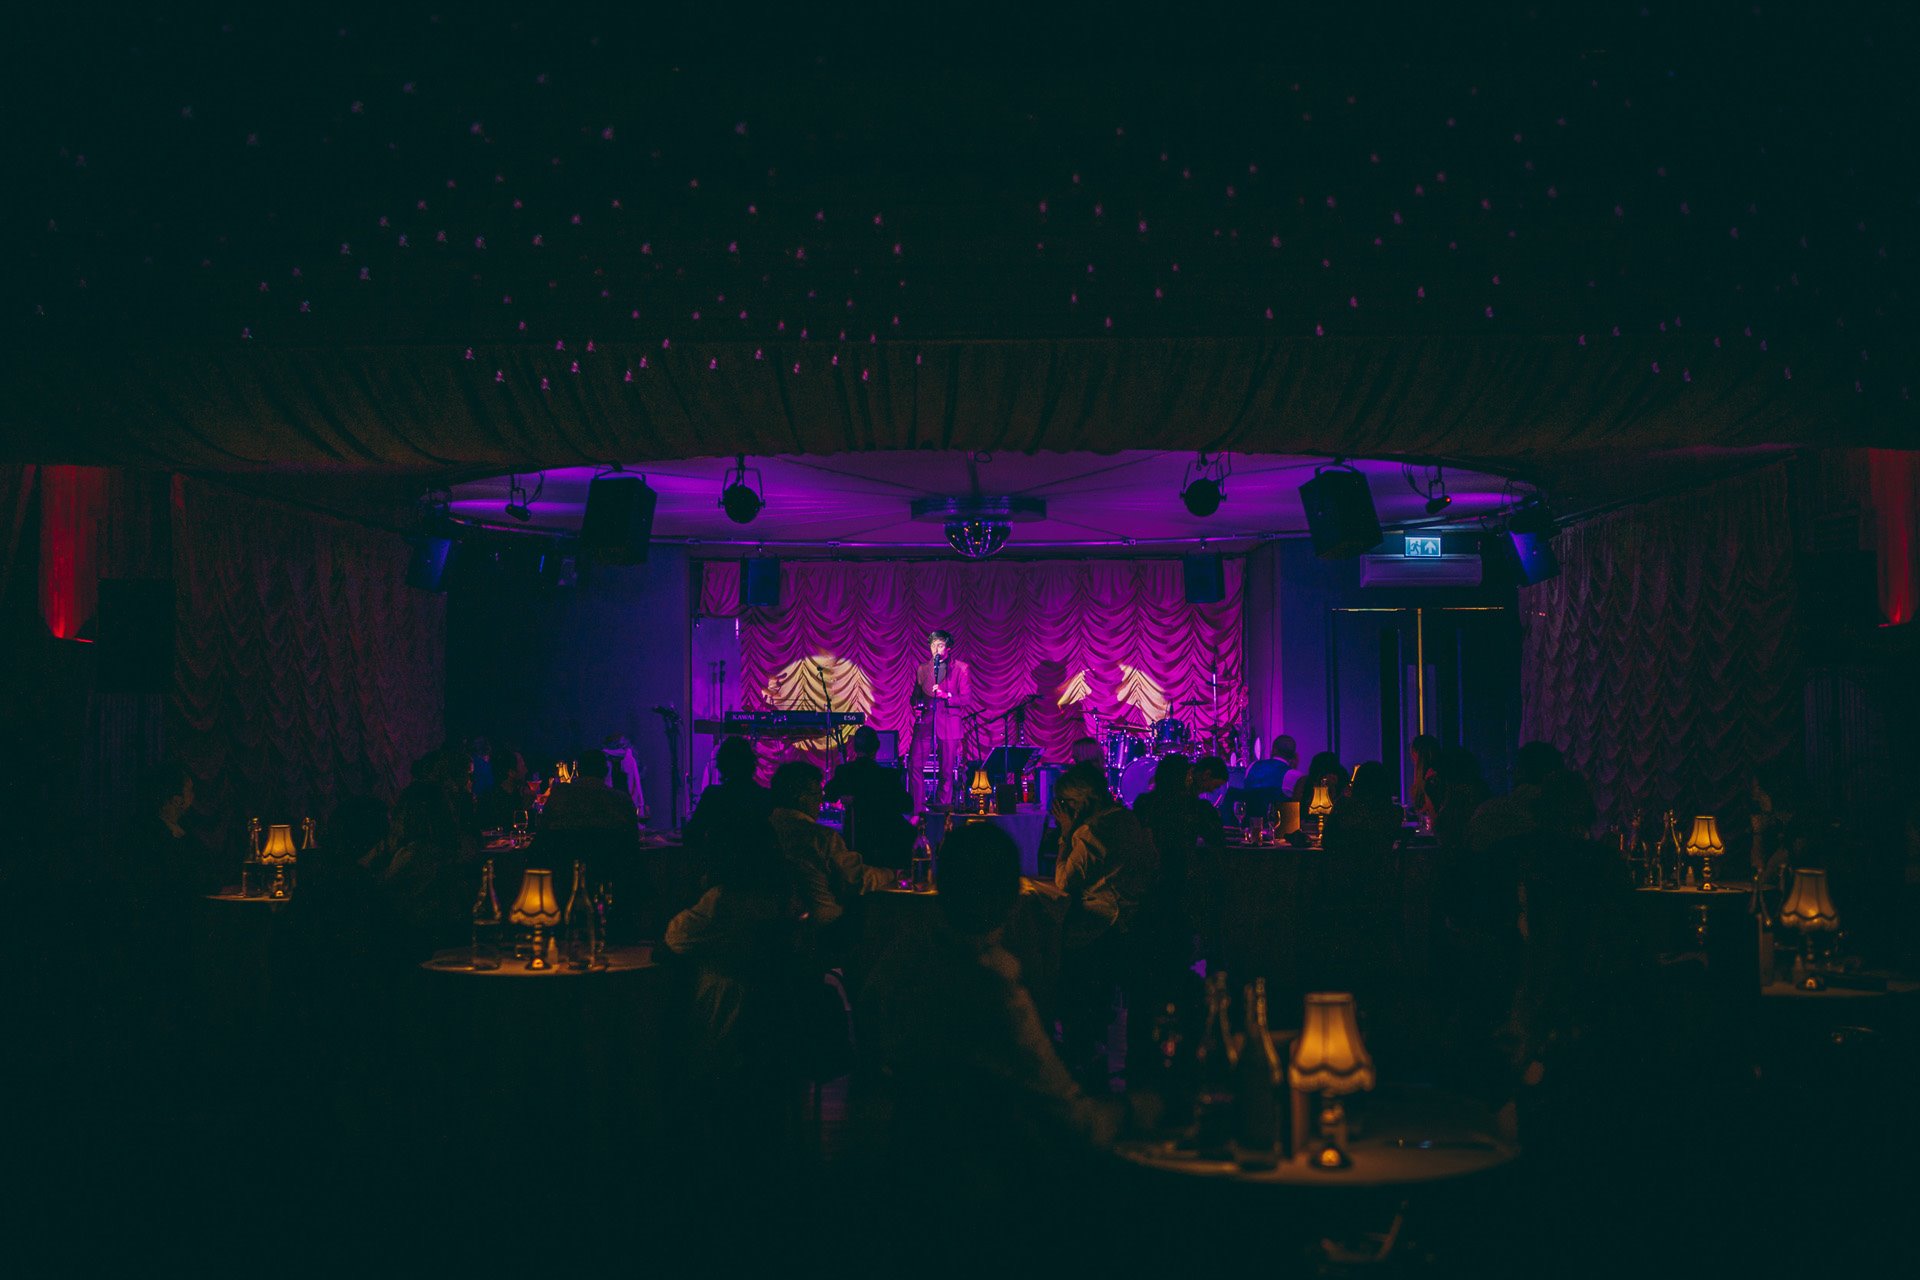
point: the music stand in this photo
(1005, 763)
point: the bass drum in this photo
(1123, 749)
(1137, 779)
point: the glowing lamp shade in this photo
(278, 850)
(1322, 802)
(1809, 907)
(1705, 840)
(980, 786)
(537, 903)
(1328, 1056)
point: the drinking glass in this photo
(1240, 814)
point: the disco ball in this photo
(978, 539)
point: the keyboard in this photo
(779, 724)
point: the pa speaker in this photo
(1340, 514)
(133, 634)
(432, 558)
(618, 525)
(759, 583)
(1534, 553)
(1205, 579)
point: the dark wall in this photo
(552, 668)
(1341, 673)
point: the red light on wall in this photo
(72, 502)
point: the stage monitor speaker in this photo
(1340, 514)
(618, 525)
(1205, 579)
(133, 634)
(432, 558)
(759, 583)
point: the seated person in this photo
(740, 938)
(1207, 784)
(1366, 820)
(420, 873)
(1086, 750)
(979, 1087)
(1279, 773)
(1511, 817)
(508, 795)
(1108, 865)
(829, 875)
(737, 797)
(588, 803)
(877, 803)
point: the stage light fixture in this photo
(1434, 489)
(978, 539)
(738, 499)
(1531, 529)
(519, 505)
(1206, 483)
(1438, 502)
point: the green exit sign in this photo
(1421, 546)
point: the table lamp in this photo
(1329, 1059)
(538, 908)
(279, 853)
(1319, 807)
(981, 790)
(1809, 908)
(1705, 845)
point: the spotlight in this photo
(739, 499)
(1206, 483)
(1531, 529)
(519, 506)
(1439, 502)
(978, 539)
(1202, 497)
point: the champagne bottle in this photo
(1259, 1088)
(1214, 1061)
(486, 922)
(580, 921)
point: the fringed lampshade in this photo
(1809, 907)
(537, 908)
(1704, 843)
(1329, 1059)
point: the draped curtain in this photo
(306, 669)
(1664, 659)
(1894, 480)
(1109, 638)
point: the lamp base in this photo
(538, 959)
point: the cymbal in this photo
(1196, 702)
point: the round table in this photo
(619, 960)
(1400, 1137)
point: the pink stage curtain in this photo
(1664, 658)
(1108, 636)
(306, 669)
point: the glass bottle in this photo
(1214, 1060)
(487, 925)
(580, 922)
(922, 871)
(1172, 1064)
(1259, 1089)
(252, 882)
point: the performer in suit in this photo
(942, 695)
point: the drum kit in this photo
(1134, 751)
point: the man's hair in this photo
(793, 780)
(979, 878)
(1210, 767)
(1073, 751)
(1535, 762)
(945, 637)
(1285, 748)
(866, 741)
(736, 759)
(1089, 777)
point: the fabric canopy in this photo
(449, 410)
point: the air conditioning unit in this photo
(1420, 571)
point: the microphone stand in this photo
(833, 735)
(670, 721)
